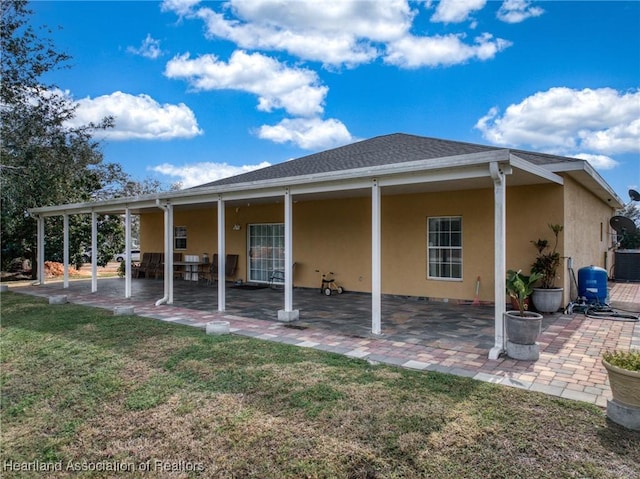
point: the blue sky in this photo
(201, 90)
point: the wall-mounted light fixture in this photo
(236, 227)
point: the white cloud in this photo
(619, 138)
(599, 162)
(308, 133)
(181, 7)
(150, 48)
(296, 90)
(346, 32)
(137, 117)
(195, 174)
(516, 11)
(331, 32)
(415, 52)
(455, 11)
(566, 121)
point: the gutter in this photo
(584, 167)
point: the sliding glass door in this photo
(266, 251)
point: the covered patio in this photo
(448, 325)
(389, 211)
(481, 170)
(418, 334)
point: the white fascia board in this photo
(114, 206)
(476, 171)
(328, 187)
(584, 166)
(540, 171)
(342, 179)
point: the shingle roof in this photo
(377, 151)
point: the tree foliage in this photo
(630, 240)
(43, 160)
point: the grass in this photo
(87, 392)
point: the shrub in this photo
(629, 360)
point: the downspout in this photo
(165, 208)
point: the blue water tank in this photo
(592, 284)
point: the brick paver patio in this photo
(417, 334)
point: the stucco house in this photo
(397, 214)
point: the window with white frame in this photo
(266, 250)
(180, 237)
(444, 247)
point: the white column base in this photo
(59, 299)
(288, 316)
(123, 311)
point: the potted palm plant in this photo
(623, 368)
(523, 326)
(547, 298)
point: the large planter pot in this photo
(523, 329)
(522, 334)
(547, 300)
(624, 408)
(625, 385)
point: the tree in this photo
(631, 240)
(43, 161)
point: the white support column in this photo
(288, 314)
(376, 296)
(94, 252)
(65, 247)
(221, 255)
(499, 225)
(168, 256)
(127, 251)
(40, 250)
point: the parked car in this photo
(135, 256)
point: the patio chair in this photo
(141, 270)
(276, 277)
(156, 267)
(209, 272)
(230, 265)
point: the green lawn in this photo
(85, 392)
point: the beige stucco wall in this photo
(335, 235)
(530, 209)
(588, 233)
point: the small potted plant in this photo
(547, 298)
(623, 368)
(523, 327)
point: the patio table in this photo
(190, 269)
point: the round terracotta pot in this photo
(625, 384)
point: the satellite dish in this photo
(622, 224)
(634, 195)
